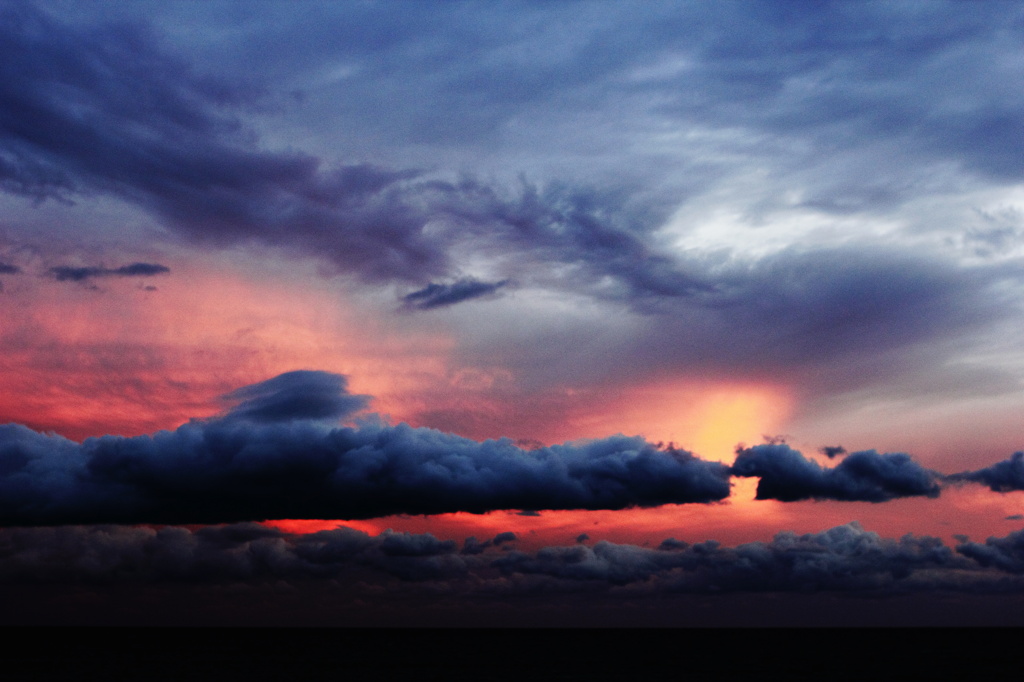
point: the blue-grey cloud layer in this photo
(1002, 476)
(851, 108)
(867, 476)
(302, 394)
(106, 110)
(442, 295)
(272, 456)
(278, 452)
(67, 273)
(844, 559)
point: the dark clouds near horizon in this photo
(275, 455)
(844, 559)
(278, 452)
(786, 475)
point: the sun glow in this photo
(707, 419)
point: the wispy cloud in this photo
(66, 273)
(443, 295)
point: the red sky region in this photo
(129, 360)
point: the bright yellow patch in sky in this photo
(705, 418)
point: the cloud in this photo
(846, 558)
(442, 295)
(828, 320)
(302, 394)
(862, 476)
(273, 456)
(832, 451)
(474, 546)
(1006, 554)
(502, 538)
(1001, 477)
(106, 110)
(81, 274)
(8, 269)
(240, 552)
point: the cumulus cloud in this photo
(1006, 554)
(1001, 477)
(473, 546)
(441, 295)
(843, 558)
(66, 273)
(275, 455)
(846, 558)
(240, 552)
(862, 476)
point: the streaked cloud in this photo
(65, 273)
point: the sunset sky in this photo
(610, 302)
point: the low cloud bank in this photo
(867, 476)
(275, 454)
(846, 558)
(279, 451)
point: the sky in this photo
(563, 308)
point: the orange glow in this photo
(708, 419)
(969, 510)
(304, 526)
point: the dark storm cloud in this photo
(1006, 554)
(862, 476)
(441, 295)
(474, 546)
(241, 552)
(1001, 477)
(8, 269)
(272, 456)
(842, 559)
(81, 274)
